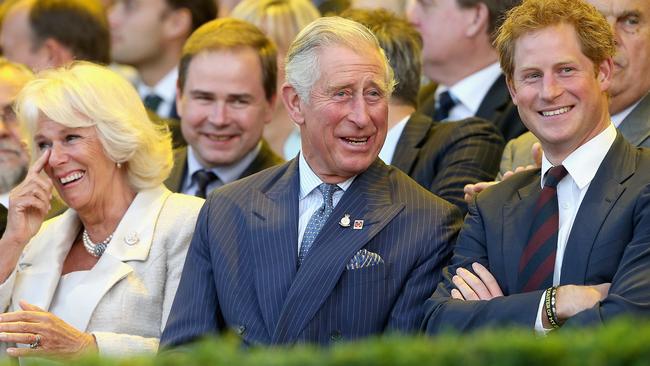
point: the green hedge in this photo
(621, 343)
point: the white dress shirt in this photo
(165, 89)
(470, 92)
(226, 173)
(310, 199)
(582, 165)
(392, 138)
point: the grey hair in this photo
(84, 94)
(302, 66)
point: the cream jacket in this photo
(125, 299)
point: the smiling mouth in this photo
(555, 112)
(355, 140)
(218, 138)
(73, 177)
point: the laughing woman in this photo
(102, 276)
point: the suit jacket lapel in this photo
(410, 142)
(636, 126)
(175, 180)
(495, 101)
(516, 229)
(42, 265)
(367, 199)
(606, 187)
(274, 222)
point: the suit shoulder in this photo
(408, 191)
(509, 187)
(257, 181)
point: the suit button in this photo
(240, 330)
(336, 336)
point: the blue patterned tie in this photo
(445, 104)
(318, 219)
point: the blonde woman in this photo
(101, 276)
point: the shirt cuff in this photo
(539, 325)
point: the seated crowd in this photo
(284, 176)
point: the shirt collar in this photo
(620, 116)
(4, 199)
(471, 90)
(165, 88)
(227, 173)
(583, 163)
(392, 138)
(309, 180)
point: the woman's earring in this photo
(119, 165)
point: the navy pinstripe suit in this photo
(241, 270)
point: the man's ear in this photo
(511, 89)
(178, 24)
(179, 101)
(605, 71)
(293, 103)
(56, 53)
(478, 21)
(273, 101)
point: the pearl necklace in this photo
(96, 250)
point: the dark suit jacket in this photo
(444, 157)
(496, 107)
(241, 272)
(609, 242)
(266, 158)
(3, 219)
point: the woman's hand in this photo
(56, 337)
(29, 203)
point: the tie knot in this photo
(554, 176)
(152, 101)
(327, 190)
(203, 178)
(445, 103)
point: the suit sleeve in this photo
(407, 313)
(442, 312)
(195, 311)
(629, 293)
(473, 153)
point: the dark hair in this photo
(202, 11)
(80, 25)
(228, 34)
(402, 44)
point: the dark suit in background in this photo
(265, 158)
(609, 242)
(444, 157)
(241, 271)
(496, 107)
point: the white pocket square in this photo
(363, 259)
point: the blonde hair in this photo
(84, 94)
(280, 20)
(593, 31)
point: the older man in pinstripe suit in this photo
(333, 245)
